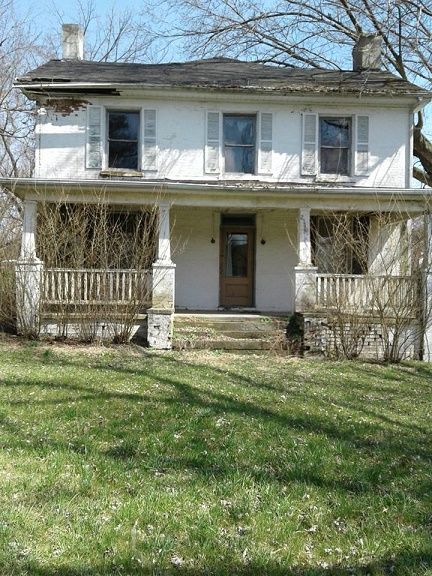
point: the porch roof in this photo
(219, 193)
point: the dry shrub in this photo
(10, 235)
(97, 260)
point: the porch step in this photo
(221, 331)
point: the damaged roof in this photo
(217, 73)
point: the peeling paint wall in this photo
(181, 140)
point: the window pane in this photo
(240, 159)
(236, 255)
(334, 161)
(123, 125)
(335, 132)
(239, 130)
(123, 155)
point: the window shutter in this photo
(266, 143)
(94, 137)
(212, 149)
(149, 149)
(362, 146)
(309, 160)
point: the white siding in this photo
(197, 259)
(181, 141)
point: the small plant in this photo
(295, 334)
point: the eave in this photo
(38, 91)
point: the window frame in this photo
(255, 145)
(117, 110)
(350, 147)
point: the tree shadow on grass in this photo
(403, 563)
(178, 394)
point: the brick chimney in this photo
(73, 42)
(367, 53)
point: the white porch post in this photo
(29, 275)
(305, 273)
(427, 292)
(160, 315)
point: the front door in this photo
(237, 265)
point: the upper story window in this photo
(123, 139)
(335, 145)
(239, 139)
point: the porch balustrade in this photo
(367, 293)
(70, 286)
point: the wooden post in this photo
(160, 315)
(305, 273)
(29, 275)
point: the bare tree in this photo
(317, 33)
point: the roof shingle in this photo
(220, 73)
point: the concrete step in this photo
(239, 324)
(224, 344)
(222, 331)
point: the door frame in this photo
(240, 229)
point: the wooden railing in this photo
(67, 286)
(363, 293)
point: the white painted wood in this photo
(213, 142)
(94, 137)
(362, 146)
(84, 286)
(28, 238)
(304, 237)
(364, 292)
(265, 151)
(149, 140)
(309, 161)
(164, 236)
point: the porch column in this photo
(160, 315)
(29, 275)
(427, 292)
(305, 272)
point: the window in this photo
(123, 139)
(340, 243)
(335, 145)
(239, 133)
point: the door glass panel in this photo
(236, 255)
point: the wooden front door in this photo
(237, 265)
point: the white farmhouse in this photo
(243, 160)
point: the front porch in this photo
(276, 250)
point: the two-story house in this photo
(240, 157)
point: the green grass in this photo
(117, 461)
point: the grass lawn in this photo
(120, 461)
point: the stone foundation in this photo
(160, 328)
(321, 337)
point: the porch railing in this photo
(361, 292)
(70, 286)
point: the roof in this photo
(217, 73)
